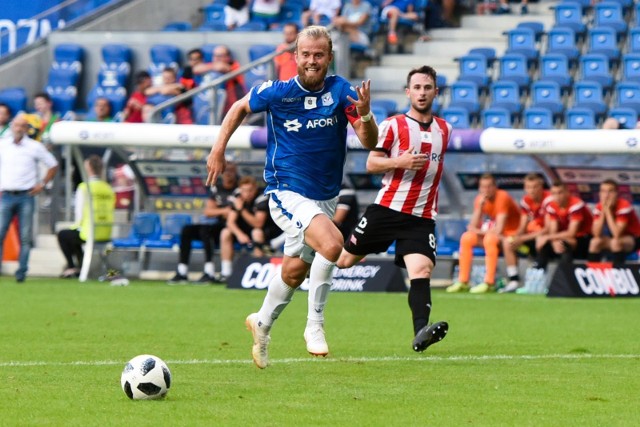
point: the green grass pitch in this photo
(507, 360)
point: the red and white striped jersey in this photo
(408, 191)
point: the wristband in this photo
(367, 117)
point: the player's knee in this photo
(490, 240)
(468, 238)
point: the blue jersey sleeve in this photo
(260, 96)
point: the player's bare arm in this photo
(378, 162)
(216, 162)
(367, 131)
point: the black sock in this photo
(594, 257)
(420, 303)
(619, 259)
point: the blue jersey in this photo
(307, 132)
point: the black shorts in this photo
(381, 226)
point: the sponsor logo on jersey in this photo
(292, 125)
(327, 99)
(310, 102)
(323, 122)
(289, 100)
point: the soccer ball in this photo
(145, 377)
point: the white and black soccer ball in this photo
(145, 377)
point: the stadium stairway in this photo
(446, 44)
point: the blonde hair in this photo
(316, 32)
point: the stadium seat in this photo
(68, 56)
(448, 234)
(603, 40)
(213, 27)
(631, 66)
(202, 106)
(580, 118)
(379, 113)
(609, 14)
(514, 67)
(474, 68)
(466, 95)
(207, 51)
(627, 117)
(145, 226)
(523, 40)
(628, 95)
(537, 27)
(111, 78)
(252, 26)
(213, 14)
(290, 12)
(589, 94)
(170, 234)
(488, 52)
(117, 97)
(506, 94)
(595, 67)
(178, 26)
(633, 40)
(563, 40)
(261, 73)
(496, 117)
(457, 116)
(547, 94)
(570, 14)
(389, 106)
(62, 88)
(441, 83)
(538, 118)
(15, 98)
(116, 58)
(555, 67)
(163, 56)
(636, 15)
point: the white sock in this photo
(319, 285)
(278, 297)
(183, 269)
(226, 268)
(512, 270)
(208, 268)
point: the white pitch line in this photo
(487, 358)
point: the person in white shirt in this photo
(19, 183)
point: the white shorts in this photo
(293, 214)
(235, 17)
(386, 9)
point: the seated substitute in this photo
(103, 201)
(502, 216)
(533, 207)
(216, 210)
(615, 226)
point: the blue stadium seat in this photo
(62, 88)
(68, 56)
(628, 95)
(603, 40)
(448, 233)
(610, 14)
(261, 73)
(555, 66)
(170, 234)
(213, 14)
(290, 12)
(580, 118)
(441, 83)
(563, 40)
(458, 117)
(514, 67)
(537, 27)
(570, 14)
(207, 51)
(15, 98)
(178, 26)
(109, 78)
(595, 67)
(116, 59)
(488, 52)
(145, 225)
(506, 94)
(213, 27)
(547, 94)
(523, 40)
(465, 95)
(389, 106)
(252, 26)
(636, 15)
(589, 94)
(627, 117)
(538, 118)
(496, 117)
(474, 68)
(163, 56)
(631, 66)
(379, 113)
(633, 40)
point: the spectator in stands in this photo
(286, 66)
(266, 11)
(615, 226)
(223, 63)
(236, 13)
(393, 10)
(355, 20)
(43, 105)
(321, 12)
(533, 208)
(103, 203)
(241, 223)
(567, 228)
(188, 79)
(347, 211)
(19, 184)
(612, 123)
(5, 120)
(501, 220)
(102, 110)
(172, 87)
(504, 7)
(216, 211)
(133, 111)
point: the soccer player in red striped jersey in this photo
(410, 154)
(615, 226)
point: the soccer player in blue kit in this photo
(307, 119)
